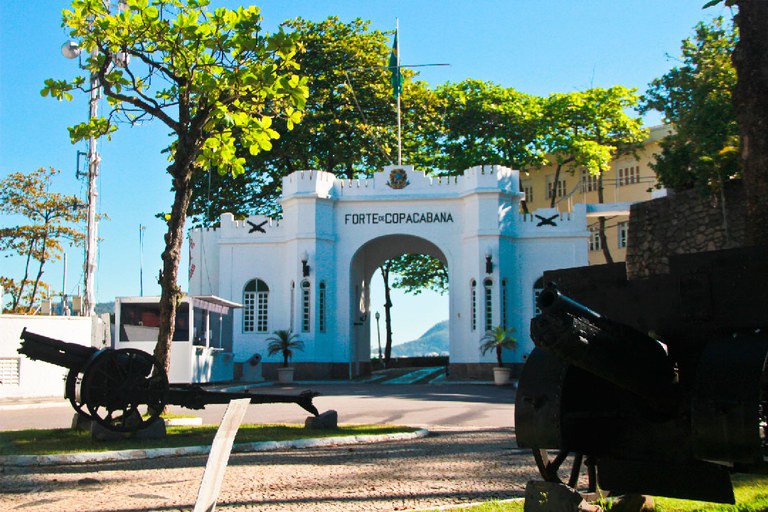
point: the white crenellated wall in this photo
(347, 228)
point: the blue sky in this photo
(538, 47)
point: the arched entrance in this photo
(318, 260)
(366, 260)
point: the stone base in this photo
(554, 497)
(155, 430)
(329, 420)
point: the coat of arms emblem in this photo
(398, 178)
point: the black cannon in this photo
(125, 390)
(669, 401)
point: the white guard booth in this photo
(202, 342)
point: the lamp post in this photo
(378, 333)
(142, 228)
(72, 50)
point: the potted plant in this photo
(284, 342)
(499, 338)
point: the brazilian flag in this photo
(396, 79)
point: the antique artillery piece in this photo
(125, 390)
(669, 401)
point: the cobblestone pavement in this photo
(454, 465)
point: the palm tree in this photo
(286, 342)
(499, 338)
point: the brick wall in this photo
(681, 223)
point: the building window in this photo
(488, 303)
(305, 306)
(588, 182)
(473, 298)
(9, 371)
(293, 304)
(504, 303)
(594, 239)
(629, 175)
(623, 229)
(528, 191)
(321, 306)
(555, 189)
(255, 306)
(538, 287)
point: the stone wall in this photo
(682, 223)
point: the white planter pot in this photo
(285, 375)
(501, 376)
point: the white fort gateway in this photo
(311, 271)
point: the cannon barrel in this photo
(609, 350)
(42, 348)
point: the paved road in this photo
(416, 405)
(471, 456)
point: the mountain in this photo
(432, 342)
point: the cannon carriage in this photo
(126, 389)
(651, 386)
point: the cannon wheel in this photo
(124, 390)
(550, 463)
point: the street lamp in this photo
(378, 333)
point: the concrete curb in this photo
(113, 456)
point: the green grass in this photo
(55, 441)
(751, 496)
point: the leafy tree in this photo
(587, 130)
(213, 78)
(416, 272)
(348, 125)
(485, 124)
(284, 342)
(696, 98)
(49, 219)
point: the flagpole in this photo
(399, 125)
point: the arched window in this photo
(321, 302)
(538, 286)
(504, 303)
(293, 304)
(473, 298)
(255, 306)
(488, 304)
(305, 306)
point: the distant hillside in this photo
(432, 342)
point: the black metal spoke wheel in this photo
(124, 390)
(562, 466)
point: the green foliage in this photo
(284, 342)
(484, 124)
(207, 75)
(695, 98)
(348, 127)
(416, 272)
(498, 339)
(47, 219)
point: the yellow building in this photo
(629, 179)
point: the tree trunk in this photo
(39, 273)
(24, 280)
(171, 294)
(750, 98)
(601, 222)
(553, 200)
(387, 314)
